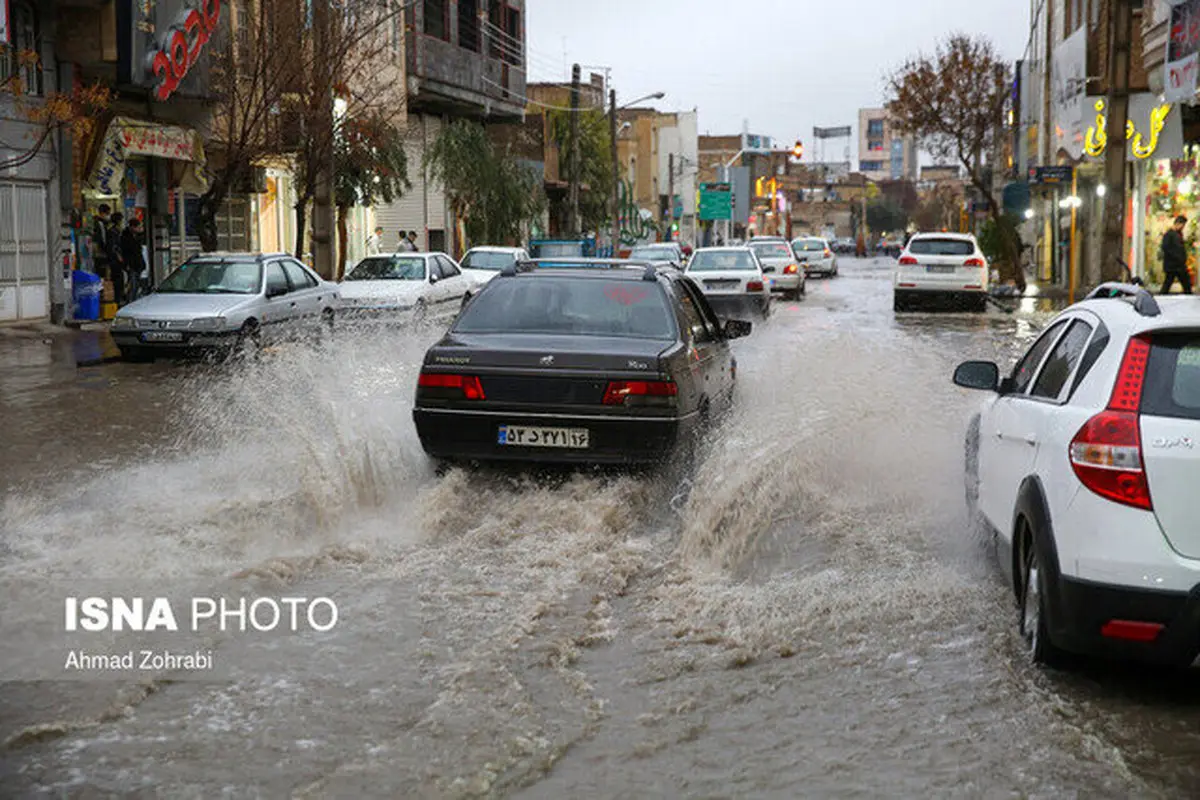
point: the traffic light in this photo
(798, 150)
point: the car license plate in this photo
(940, 270)
(162, 336)
(526, 436)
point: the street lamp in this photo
(612, 135)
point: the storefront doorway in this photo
(24, 252)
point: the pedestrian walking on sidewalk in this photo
(135, 264)
(1174, 256)
(116, 257)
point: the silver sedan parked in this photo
(223, 301)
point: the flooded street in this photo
(805, 614)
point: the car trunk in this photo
(1170, 427)
(548, 370)
(725, 282)
(946, 263)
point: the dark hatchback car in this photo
(591, 363)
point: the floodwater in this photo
(807, 614)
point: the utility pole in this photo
(323, 207)
(1120, 21)
(573, 221)
(616, 176)
(670, 196)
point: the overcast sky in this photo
(785, 65)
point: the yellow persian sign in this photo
(1097, 136)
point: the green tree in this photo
(370, 166)
(885, 215)
(595, 162)
(487, 188)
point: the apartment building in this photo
(884, 154)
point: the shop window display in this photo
(1173, 189)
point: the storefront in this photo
(1172, 188)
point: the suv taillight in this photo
(451, 387)
(908, 261)
(973, 262)
(622, 393)
(1106, 454)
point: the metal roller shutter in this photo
(24, 252)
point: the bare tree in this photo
(74, 112)
(274, 80)
(952, 103)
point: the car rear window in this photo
(572, 306)
(719, 261)
(810, 246)
(772, 250)
(1173, 376)
(476, 259)
(941, 247)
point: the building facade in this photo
(883, 154)
(35, 283)
(464, 59)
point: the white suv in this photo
(941, 266)
(1085, 464)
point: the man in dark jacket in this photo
(100, 225)
(1174, 255)
(116, 257)
(131, 253)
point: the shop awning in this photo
(131, 137)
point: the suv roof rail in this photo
(1142, 301)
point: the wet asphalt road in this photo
(812, 619)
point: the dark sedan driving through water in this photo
(601, 362)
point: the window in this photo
(276, 279)
(870, 166)
(1062, 361)
(298, 276)
(389, 268)
(875, 145)
(245, 53)
(447, 267)
(468, 24)
(1173, 377)
(437, 19)
(479, 259)
(875, 128)
(22, 58)
(693, 317)
(941, 247)
(722, 260)
(1027, 367)
(514, 38)
(584, 306)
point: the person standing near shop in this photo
(116, 257)
(404, 246)
(1174, 256)
(131, 253)
(100, 225)
(412, 240)
(375, 242)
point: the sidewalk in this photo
(86, 343)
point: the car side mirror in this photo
(276, 291)
(768, 269)
(984, 375)
(433, 278)
(737, 329)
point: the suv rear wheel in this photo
(1034, 583)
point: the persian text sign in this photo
(160, 142)
(1183, 52)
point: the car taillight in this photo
(908, 261)
(1106, 454)
(790, 269)
(754, 286)
(452, 387)
(620, 393)
(828, 252)
(973, 262)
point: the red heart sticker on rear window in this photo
(625, 296)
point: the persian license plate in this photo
(162, 336)
(528, 436)
(940, 270)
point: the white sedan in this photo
(816, 256)
(486, 262)
(731, 278)
(417, 286)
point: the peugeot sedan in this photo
(224, 301)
